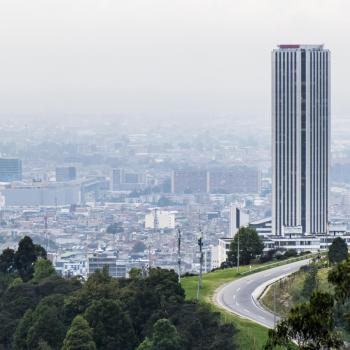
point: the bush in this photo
(290, 253)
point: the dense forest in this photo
(41, 310)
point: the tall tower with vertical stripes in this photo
(300, 138)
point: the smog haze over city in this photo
(164, 60)
(146, 144)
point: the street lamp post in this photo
(238, 251)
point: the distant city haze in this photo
(159, 59)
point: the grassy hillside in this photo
(250, 336)
(287, 291)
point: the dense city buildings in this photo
(138, 185)
(300, 138)
(123, 180)
(235, 180)
(10, 169)
(160, 219)
(189, 181)
(42, 194)
(66, 173)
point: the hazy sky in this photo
(159, 57)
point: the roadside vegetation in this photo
(314, 303)
(296, 288)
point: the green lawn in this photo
(250, 336)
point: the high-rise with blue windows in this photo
(300, 138)
(10, 169)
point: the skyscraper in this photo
(300, 138)
(10, 169)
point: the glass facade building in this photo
(300, 138)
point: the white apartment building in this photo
(160, 219)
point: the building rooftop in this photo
(301, 47)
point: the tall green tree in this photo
(310, 282)
(25, 256)
(42, 269)
(200, 328)
(20, 336)
(79, 336)
(250, 246)
(310, 324)
(339, 276)
(338, 251)
(100, 285)
(164, 337)
(112, 327)
(7, 261)
(47, 323)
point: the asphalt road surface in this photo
(241, 296)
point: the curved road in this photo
(241, 296)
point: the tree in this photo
(250, 246)
(164, 202)
(43, 345)
(25, 256)
(310, 324)
(164, 337)
(200, 328)
(339, 276)
(147, 299)
(338, 251)
(139, 247)
(98, 286)
(135, 273)
(115, 228)
(310, 283)
(112, 327)
(7, 261)
(47, 316)
(20, 336)
(42, 269)
(290, 253)
(79, 336)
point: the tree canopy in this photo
(338, 251)
(79, 336)
(310, 324)
(21, 261)
(250, 246)
(164, 337)
(41, 310)
(115, 228)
